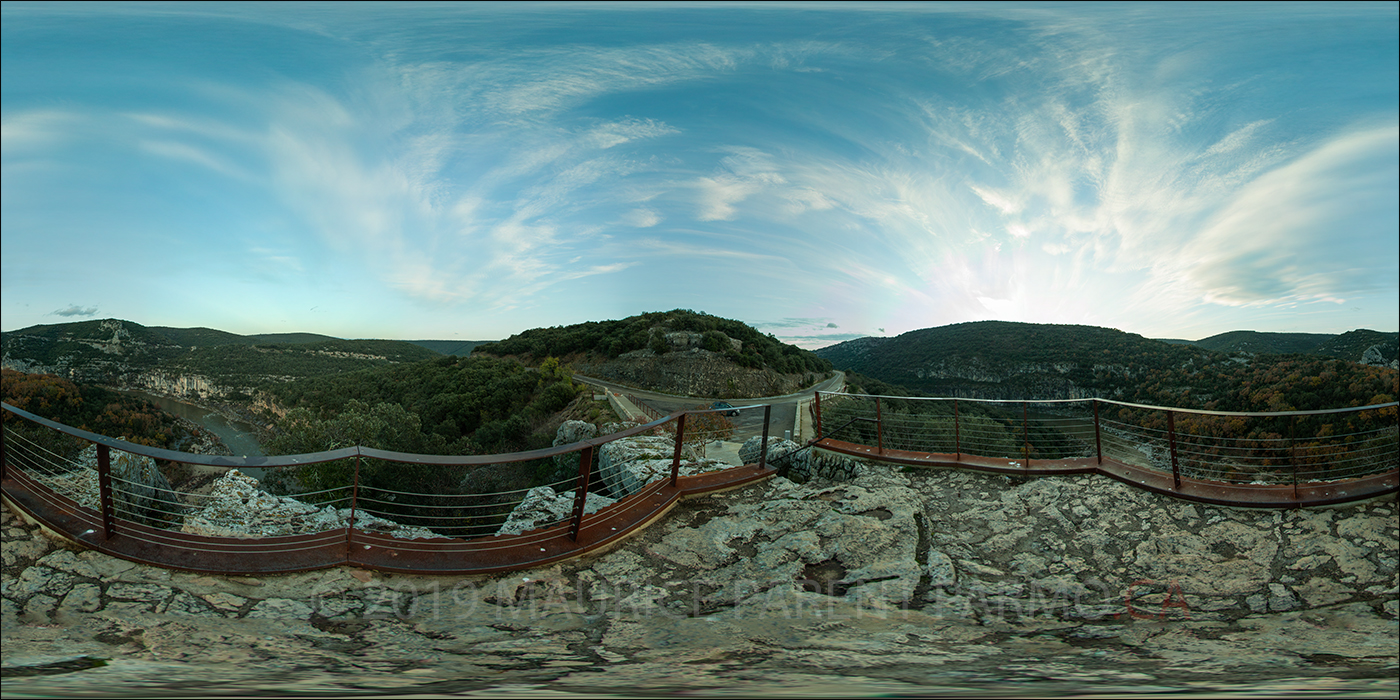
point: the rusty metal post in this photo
(763, 448)
(1025, 435)
(1098, 437)
(585, 470)
(1292, 455)
(817, 402)
(676, 458)
(957, 432)
(354, 501)
(104, 491)
(1171, 442)
(879, 428)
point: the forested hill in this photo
(196, 362)
(1003, 360)
(1257, 342)
(677, 351)
(979, 357)
(1361, 345)
(461, 348)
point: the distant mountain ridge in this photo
(460, 348)
(1258, 341)
(1351, 345)
(195, 363)
(1004, 360)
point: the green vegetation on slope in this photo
(996, 359)
(89, 408)
(451, 405)
(110, 351)
(993, 359)
(461, 348)
(470, 405)
(1352, 345)
(609, 339)
(1257, 342)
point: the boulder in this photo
(236, 507)
(570, 432)
(628, 464)
(610, 428)
(830, 466)
(140, 493)
(543, 506)
(805, 465)
(749, 451)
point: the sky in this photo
(821, 171)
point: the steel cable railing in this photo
(123, 493)
(1229, 447)
(122, 487)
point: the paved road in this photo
(750, 420)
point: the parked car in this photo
(722, 406)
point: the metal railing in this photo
(335, 507)
(338, 507)
(1213, 452)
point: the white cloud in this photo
(38, 128)
(1297, 232)
(73, 310)
(191, 154)
(1002, 202)
(620, 132)
(641, 218)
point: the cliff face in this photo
(118, 375)
(693, 372)
(977, 378)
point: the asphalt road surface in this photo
(748, 423)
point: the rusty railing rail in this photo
(132, 520)
(1252, 459)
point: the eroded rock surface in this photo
(893, 582)
(628, 464)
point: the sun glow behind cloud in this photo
(450, 170)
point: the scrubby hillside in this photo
(1000, 360)
(679, 352)
(997, 359)
(1257, 342)
(1365, 346)
(1361, 345)
(93, 409)
(197, 363)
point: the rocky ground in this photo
(895, 583)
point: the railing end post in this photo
(763, 447)
(585, 469)
(104, 491)
(354, 502)
(1098, 435)
(676, 458)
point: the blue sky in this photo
(822, 172)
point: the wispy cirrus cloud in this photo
(1292, 233)
(923, 165)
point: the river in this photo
(238, 436)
